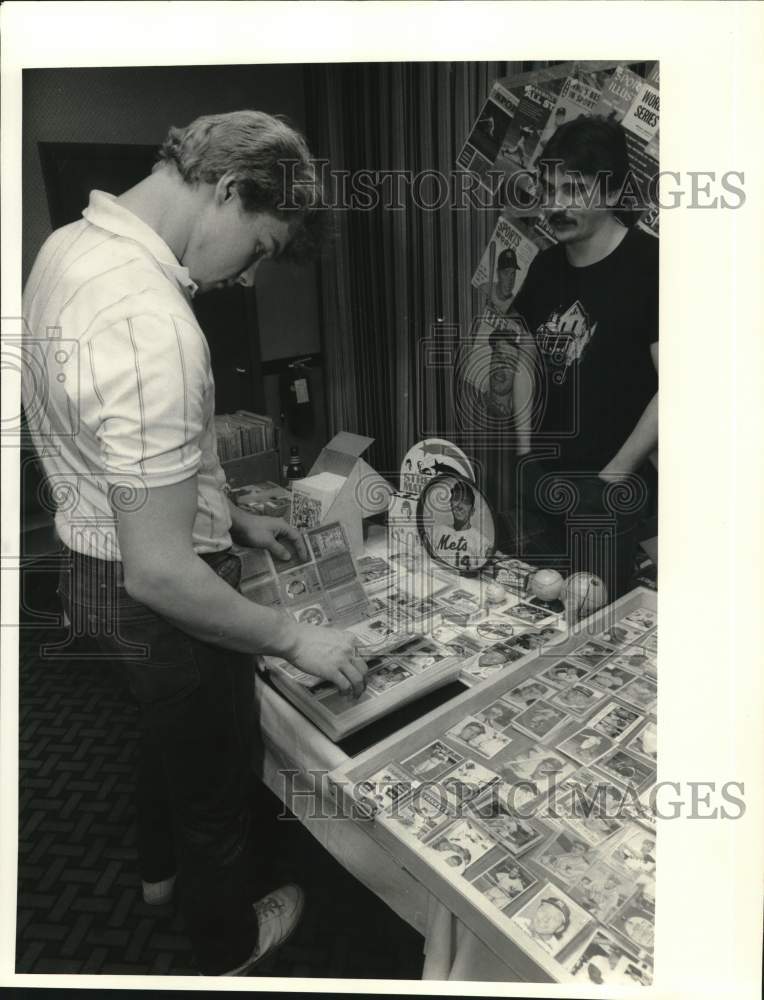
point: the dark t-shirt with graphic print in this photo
(593, 327)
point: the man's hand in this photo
(330, 654)
(264, 533)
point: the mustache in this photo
(560, 218)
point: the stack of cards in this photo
(373, 572)
(531, 614)
(460, 606)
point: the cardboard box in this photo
(313, 497)
(363, 492)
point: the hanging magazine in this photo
(502, 269)
(618, 94)
(641, 123)
(522, 113)
(481, 150)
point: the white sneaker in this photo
(158, 893)
(278, 914)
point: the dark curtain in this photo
(398, 277)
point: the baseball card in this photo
(641, 618)
(498, 715)
(516, 834)
(388, 676)
(642, 692)
(551, 919)
(495, 631)
(636, 926)
(529, 691)
(645, 742)
(463, 645)
(604, 962)
(633, 659)
(373, 572)
(610, 677)
(615, 721)
(563, 673)
(591, 653)
(594, 829)
(530, 614)
(540, 719)
(417, 817)
(635, 853)
(432, 761)
(625, 767)
(460, 845)
(621, 634)
(568, 857)
(578, 699)
(299, 583)
(467, 781)
(536, 763)
(479, 736)
(602, 891)
(312, 614)
(385, 787)
(586, 745)
(503, 883)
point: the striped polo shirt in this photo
(117, 385)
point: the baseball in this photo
(546, 584)
(494, 594)
(582, 594)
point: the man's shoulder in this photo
(554, 252)
(89, 279)
(541, 274)
(643, 246)
(81, 253)
(108, 262)
(549, 259)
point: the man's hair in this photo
(463, 492)
(475, 725)
(506, 259)
(562, 908)
(270, 160)
(593, 146)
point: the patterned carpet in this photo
(79, 904)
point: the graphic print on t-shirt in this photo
(563, 338)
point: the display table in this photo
(296, 757)
(547, 726)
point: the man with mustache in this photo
(591, 303)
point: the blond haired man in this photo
(148, 535)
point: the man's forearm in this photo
(640, 443)
(198, 601)
(238, 520)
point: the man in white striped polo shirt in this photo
(122, 418)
